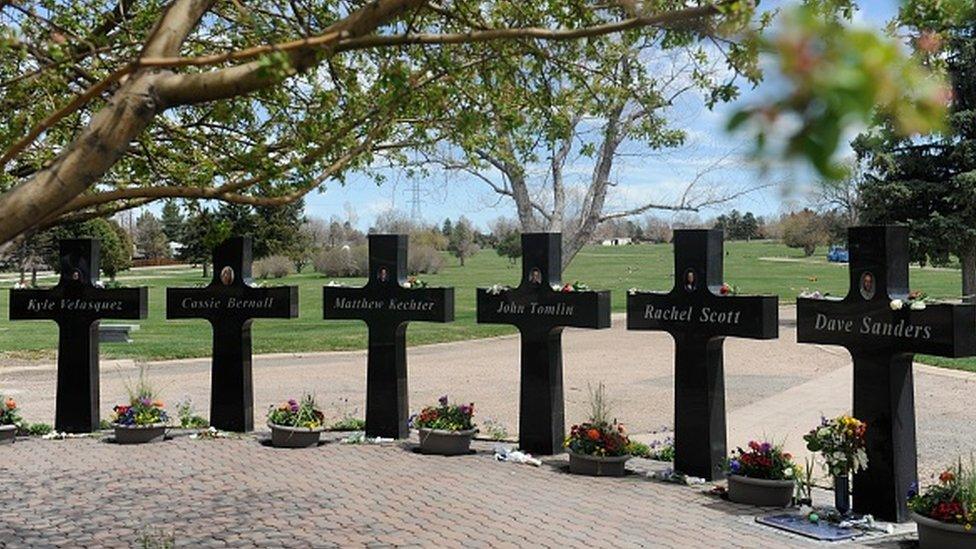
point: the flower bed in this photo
(600, 446)
(762, 475)
(296, 423)
(143, 419)
(946, 512)
(445, 429)
(10, 420)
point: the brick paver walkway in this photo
(240, 492)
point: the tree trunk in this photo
(206, 269)
(969, 275)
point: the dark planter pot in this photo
(446, 443)
(761, 492)
(139, 434)
(8, 434)
(283, 436)
(934, 534)
(597, 466)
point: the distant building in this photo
(619, 241)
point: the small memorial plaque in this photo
(77, 304)
(386, 304)
(230, 303)
(882, 339)
(540, 311)
(699, 319)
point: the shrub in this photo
(424, 259)
(274, 266)
(342, 262)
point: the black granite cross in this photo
(699, 319)
(882, 342)
(387, 305)
(230, 302)
(77, 304)
(540, 313)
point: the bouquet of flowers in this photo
(445, 416)
(916, 301)
(763, 460)
(952, 500)
(144, 408)
(293, 413)
(841, 443)
(600, 436)
(574, 287)
(9, 414)
(414, 282)
(728, 289)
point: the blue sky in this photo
(639, 179)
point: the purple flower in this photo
(294, 407)
(292, 401)
(734, 466)
(766, 447)
(145, 401)
(465, 409)
(443, 400)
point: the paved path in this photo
(241, 493)
(774, 388)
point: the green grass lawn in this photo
(755, 267)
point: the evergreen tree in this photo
(150, 238)
(930, 183)
(172, 219)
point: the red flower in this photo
(946, 477)
(593, 434)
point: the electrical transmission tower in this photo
(415, 202)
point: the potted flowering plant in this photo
(9, 420)
(445, 429)
(763, 475)
(600, 446)
(841, 443)
(296, 424)
(946, 512)
(143, 419)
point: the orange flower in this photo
(593, 434)
(11, 404)
(158, 403)
(946, 477)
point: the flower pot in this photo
(935, 534)
(139, 434)
(761, 492)
(597, 466)
(8, 434)
(283, 436)
(445, 443)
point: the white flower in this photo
(496, 289)
(406, 285)
(897, 304)
(917, 305)
(632, 291)
(556, 287)
(788, 472)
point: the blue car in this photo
(837, 254)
